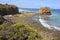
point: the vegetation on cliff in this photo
(45, 11)
(18, 32)
(6, 9)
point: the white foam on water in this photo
(20, 10)
(43, 22)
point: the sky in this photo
(53, 4)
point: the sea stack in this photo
(44, 11)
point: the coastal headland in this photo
(25, 18)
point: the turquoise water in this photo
(53, 20)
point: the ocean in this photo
(50, 22)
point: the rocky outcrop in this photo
(45, 11)
(6, 9)
(1, 19)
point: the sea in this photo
(48, 21)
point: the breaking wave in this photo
(43, 22)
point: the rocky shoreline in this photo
(25, 18)
(47, 34)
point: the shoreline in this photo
(23, 18)
(42, 23)
(48, 26)
(21, 10)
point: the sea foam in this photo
(43, 22)
(20, 10)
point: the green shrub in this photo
(27, 32)
(19, 32)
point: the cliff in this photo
(6, 9)
(1, 20)
(45, 11)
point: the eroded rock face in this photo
(6, 9)
(1, 20)
(45, 11)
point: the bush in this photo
(19, 32)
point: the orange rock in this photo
(45, 11)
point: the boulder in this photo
(45, 11)
(6, 9)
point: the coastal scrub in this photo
(19, 32)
